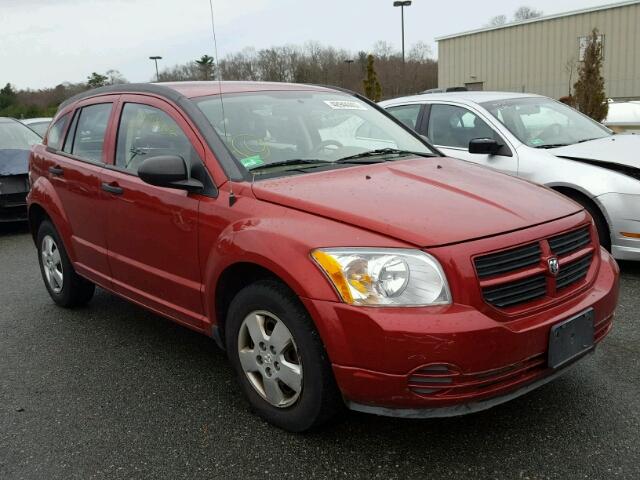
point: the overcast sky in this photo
(46, 42)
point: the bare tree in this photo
(383, 50)
(570, 68)
(526, 13)
(420, 52)
(179, 73)
(497, 21)
(115, 77)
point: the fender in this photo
(257, 241)
(280, 240)
(44, 195)
(572, 186)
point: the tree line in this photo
(380, 74)
(318, 64)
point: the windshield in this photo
(545, 123)
(14, 135)
(267, 128)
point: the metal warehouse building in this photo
(541, 55)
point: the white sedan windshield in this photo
(545, 123)
(264, 128)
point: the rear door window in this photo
(85, 139)
(407, 114)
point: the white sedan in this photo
(38, 125)
(544, 141)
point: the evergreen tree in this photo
(372, 87)
(7, 96)
(589, 91)
(205, 65)
(96, 80)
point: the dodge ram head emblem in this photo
(554, 266)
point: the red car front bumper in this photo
(443, 361)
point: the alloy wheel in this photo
(269, 358)
(52, 264)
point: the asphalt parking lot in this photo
(112, 391)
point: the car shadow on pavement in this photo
(629, 268)
(13, 228)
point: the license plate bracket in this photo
(571, 338)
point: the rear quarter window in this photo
(56, 132)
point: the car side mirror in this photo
(169, 171)
(484, 146)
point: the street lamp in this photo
(155, 59)
(402, 4)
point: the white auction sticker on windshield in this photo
(345, 105)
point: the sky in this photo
(47, 42)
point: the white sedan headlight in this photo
(384, 277)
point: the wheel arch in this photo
(231, 280)
(581, 197)
(44, 203)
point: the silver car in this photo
(544, 141)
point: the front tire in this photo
(65, 286)
(279, 358)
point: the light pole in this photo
(402, 4)
(155, 59)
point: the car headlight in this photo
(384, 277)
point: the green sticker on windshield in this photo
(252, 162)
(537, 141)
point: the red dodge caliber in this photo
(336, 256)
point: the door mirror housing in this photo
(168, 171)
(484, 146)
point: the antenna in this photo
(232, 197)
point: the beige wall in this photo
(532, 57)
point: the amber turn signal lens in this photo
(630, 235)
(334, 271)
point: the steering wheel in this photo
(322, 146)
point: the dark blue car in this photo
(15, 144)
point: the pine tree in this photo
(589, 91)
(206, 66)
(372, 87)
(7, 96)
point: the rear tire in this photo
(65, 286)
(317, 400)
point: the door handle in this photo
(57, 171)
(112, 188)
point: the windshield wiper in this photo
(298, 162)
(381, 151)
(552, 145)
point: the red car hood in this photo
(426, 202)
